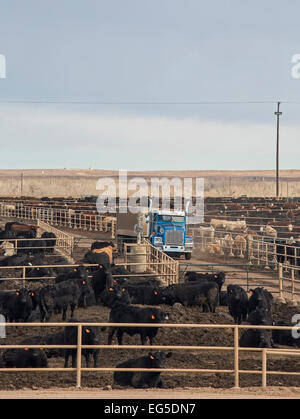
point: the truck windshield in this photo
(171, 218)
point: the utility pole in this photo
(278, 114)
(22, 183)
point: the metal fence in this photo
(235, 348)
(146, 258)
(72, 219)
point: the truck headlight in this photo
(189, 239)
(157, 239)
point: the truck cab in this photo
(167, 230)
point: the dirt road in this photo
(185, 393)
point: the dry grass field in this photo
(80, 182)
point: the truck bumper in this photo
(176, 249)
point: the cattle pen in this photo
(235, 348)
(196, 339)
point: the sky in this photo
(149, 85)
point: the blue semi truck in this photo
(165, 229)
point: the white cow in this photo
(269, 231)
(7, 248)
(240, 244)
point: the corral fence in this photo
(77, 220)
(278, 256)
(64, 242)
(266, 353)
(250, 276)
(145, 257)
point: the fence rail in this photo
(61, 217)
(236, 349)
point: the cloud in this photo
(47, 137)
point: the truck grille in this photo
(174, 237)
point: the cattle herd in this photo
(128, 301)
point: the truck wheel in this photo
(188, 256)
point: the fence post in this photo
(79, 339)
(280, 277)
(24, 276)
(264, 368)
(236, 357)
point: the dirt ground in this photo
(154, 394)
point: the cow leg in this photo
(74, 358)
(144, 339)
(96, 358)
(87, 359)
(73, 306)
(120, 336)
(110, 335)
(160, 383)
(67, 354)
(64, 314)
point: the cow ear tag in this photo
(17, 293)
(111, 289)
(152, 357)
(87, 330)
(152, 317)
(123, 290)
(155, 292)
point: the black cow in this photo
(79, 272)
(15, 260)
(258, 338)
(142, 379)
(260, 297)
(237, 299)
(102, 279)
(127, 313)
(50, 339)
(101, 245)
(90, 336)
(285, 337)
(192, 276)
(7, 234)
(5, 296)
(66, 293)
(31, 247)
(25, 358)
(203, 294)
(56, 271)
(288, 251)
(35, 298)
(223, 299)
(18, 306)
(36, 273)
(114, 293)
(97, 259)
(50, 244)
(144, 294)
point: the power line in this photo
(175, 103)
